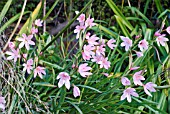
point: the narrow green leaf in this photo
(13, 19)
(146, 6)
(46, 84)
(30, 20)
(108, 31)
(5, 9)
(52, 65)
(119, 14)
(78, 109)
(163, 13)
(122, 26)
(62, 98)
(12, 104)
(142, 15)
(90, 88)
(51, 9)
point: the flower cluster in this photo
(95, 51)
(84, 23)
(143, 44)
(26, 41)
(64, 78)
(137, 78)
(95, 48)
(127, 43)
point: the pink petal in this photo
(123, 96)
(76, 91)
(21, 39)
(147, 92)
(40, 75)
(21, 45)
(168, 30)
(67, 84)
(125, 81)
(134, 68)
(31, 42)
(129, 98)
(27, 46)
(35, 73)
(8, 53)
(135, 94)
(60, 83)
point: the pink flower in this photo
(149, 86)
(24, 55)
(110, 43)
(38, 22)
(34, 30)
(11, 45)
(137, 77)
(76, 91)
(13, 55)
(28, 66)
(100, 50)
(102, 42)
(134, 68)
(26, 40)
(81, 18)
(88, 49)
(157, 33)
(86, 57)
(78, 29)
(97, 58)
(39, 70)
(143, 44)
(104, 63)
(84, 70)
(137, 36)
(126, 42)
(161, 40)
(125, 81)
(168, 30)
(2, 103)
(88, 35)
(73, 66)
(139, 54)
(64, 79)
(127, 94)
(92, 40)
(89, 22)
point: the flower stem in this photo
(83, 89)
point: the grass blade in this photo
(4, 10)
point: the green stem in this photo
(83, 89)
(163, 87)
